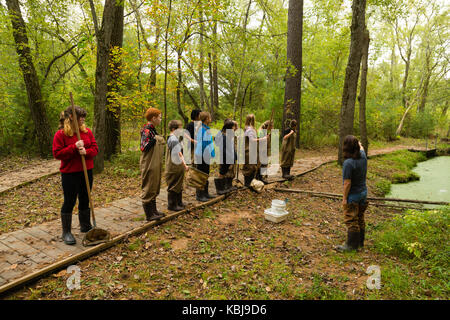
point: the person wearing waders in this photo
(204, 152)
(354, 201)
(288, 150)
(191, 128)
(152, 147)
(249, 169)
(175, 169)
(68, 149)
(264, 151)
(225, 141)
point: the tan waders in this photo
(174, 179)
(356, 226)
(287, 156)
(248, 170)
(151, 169)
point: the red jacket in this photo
(64, 149)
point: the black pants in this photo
(74, 185)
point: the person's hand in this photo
(186, 168)
(344, 201)
(82, 151)
(79, 144)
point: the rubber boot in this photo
(286, 171)
(362, 229)
(362, 233)
(172, 200)
(150, 211)
(352, 242)
(180, 200)
(260, 177)
(84, 216)
(209, 196)
(229, 183)
(67, 236)
(200, 195)
(221, 187)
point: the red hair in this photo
(151, 113)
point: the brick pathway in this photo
(30, 249)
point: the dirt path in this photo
(13, 179)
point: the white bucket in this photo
(277, 212)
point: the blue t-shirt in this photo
(356, 170)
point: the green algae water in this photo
(434, 183)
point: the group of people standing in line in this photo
(68, 149)
(202, 152)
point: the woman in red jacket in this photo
(68, 149)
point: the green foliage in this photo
(422, 239)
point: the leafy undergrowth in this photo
(421, 239)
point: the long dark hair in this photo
(351, 148)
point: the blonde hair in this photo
(204, 116)
(67, 126)
(250, 120)
(68, 130)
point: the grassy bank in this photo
(420, 243)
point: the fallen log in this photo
(368, 198)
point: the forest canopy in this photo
(227, 57)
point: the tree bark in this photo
(165, 70)
(215, 82)
(201, 63)
(113, 109)
(362, 93)
(179, 84)
(292, 93)
(352, 73)
(35, 100)
(236, 95)
(102, 78)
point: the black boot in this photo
(221, 187)
(286, 173)
(172, 200)
(352, 242)
(85, 220)
(150, 211)
(362, 233)
(229, 184)
(248, 180)
(67, 236)
(200, 195)
(207, 192)
(180, 200)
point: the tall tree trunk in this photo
(179, 84)
(238, 88)
(201, 62)
(102, 78)
(215, 82)
(362, 92)
(391, 73)
(352, 73)
(292, 92)
(35, 101)
(113, 109)
(211, 87)
(165, 69)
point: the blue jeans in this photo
(360, 198)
